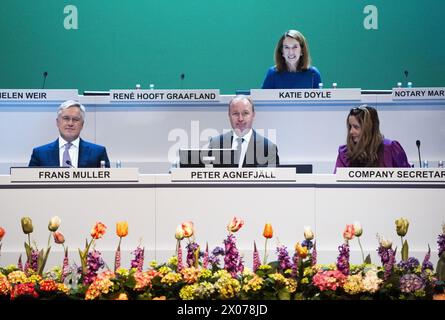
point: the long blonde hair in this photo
(364, 153)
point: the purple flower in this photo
(256, 258)
(441, 243)
(308, 244)
(179, 266)
(138, 261)
(314, 254)
(388, 258)
(205, 260)
(296, 259)
(218, 251)
(408, 265)
(283, 258)
(191, 249)
(94, 263)
(232, 261)
(426, 264)
(410, 283)
(343, 259)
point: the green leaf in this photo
(368, 259)
(43, 257)
(283, 294)
(405, 250)
(28, 250)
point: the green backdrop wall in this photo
(225, 44)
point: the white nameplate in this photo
(164, 95)
(306, 94)
(233, 174)
(38, 94)
(418, 93)
(74, 174)
(390, 175)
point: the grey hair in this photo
(71, 103)
(242, 97)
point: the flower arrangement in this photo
(221, 273)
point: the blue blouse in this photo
(292, 80)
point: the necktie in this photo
(66, 161)
(238, 150)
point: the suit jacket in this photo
(90, 155)
(261, 152)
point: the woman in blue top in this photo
(292, 68)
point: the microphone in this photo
(406, 74)
(182, 76)
(418, 150)
(45, 74)
(68, 162)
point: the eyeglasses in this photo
(73, 119)
(357, 110)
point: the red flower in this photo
(98, 230)
(2, 233)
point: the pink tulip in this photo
(235, 224)
(349, 232)
(188, 229)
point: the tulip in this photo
(122, 229)
(402, 225)
(58, 237)
(27, 225)
(358, 230)
(188, 229)
(385, 243)
(308, 233)
(98, 230)
(235, 224)
(349, 232)
(179, 234)
(2, 233)
(54, 224)
(268, 231)
(301, 251)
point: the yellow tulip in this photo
(402, 225)
(268, 231)
(122, 229)
(27, 225)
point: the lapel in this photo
(84, 151)
(54, 154)
(250, 152)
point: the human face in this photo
(355, 130)
(241, 116)
(291, 52)
(70, 123)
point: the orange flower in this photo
(268, 231)
(349, 232)
(98, 230)
(188, 229)
(235, 224)
(122, 229)
(2, 233)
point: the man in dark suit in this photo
(69, 150)
(252, 149)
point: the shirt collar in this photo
(246, 137)
(63, 142)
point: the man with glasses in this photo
(69, 150)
